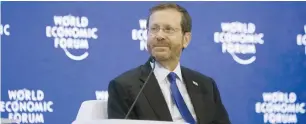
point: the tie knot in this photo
(172, 76)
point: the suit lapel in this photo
(200, 103)
(154, 94)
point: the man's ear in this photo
(187, 39)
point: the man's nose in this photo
(160, 35)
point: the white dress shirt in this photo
(161, 74)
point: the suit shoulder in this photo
(208, 83)
(197, 74)
(128, 76)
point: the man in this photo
(173, 92)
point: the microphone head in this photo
(152, 59)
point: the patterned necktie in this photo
(178, 99)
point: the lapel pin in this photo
(195, 83)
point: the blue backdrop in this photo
(57, 54)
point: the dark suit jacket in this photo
(151, 104)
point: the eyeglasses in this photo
(167, 30)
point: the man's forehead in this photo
(165, 17)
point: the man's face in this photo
(165, 37)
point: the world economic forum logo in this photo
(280, 107)
(141, 34)
(301, 39)
(4, 29)
(27, 106)
(239, 39)
(102, 95)
(71, 33)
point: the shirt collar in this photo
(161, 72)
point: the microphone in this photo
(152, 59)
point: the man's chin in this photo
(159, 57)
